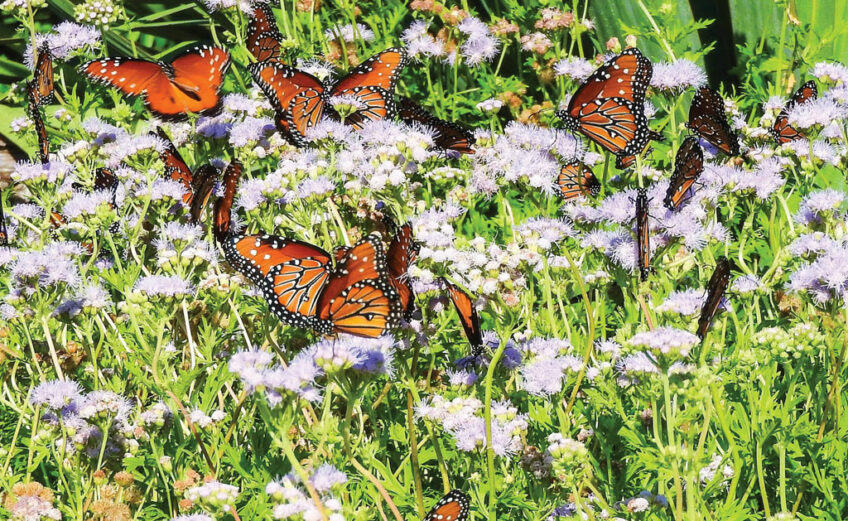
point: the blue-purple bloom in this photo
(163, 286)
(326, 477)
(56, 394)
(665, 340)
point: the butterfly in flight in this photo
(198, 186)
(263, 37)
(467, 312)
(609, 107)
(715, 292)
(706, 117)
(447, 135)
(190, 83)
(300, 283)
(300, 99)
(41, 86)
(688, 165)
(643, 235)
(782, 131)
(454, 506)
(576, 179)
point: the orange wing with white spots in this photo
(191, 83)
(453, 507)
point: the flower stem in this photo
(490, 451)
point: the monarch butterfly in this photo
(706, 117)
(195, 184)
(402, 252)
(608, 107)
(576, 179)
(190, 83)
(643, 239)
(263, 37)
(300, 99)
(688, 165)
(40, 128)
(41, 86)
(454, 506)
(447, 135)
(715, 291)
(464, 305)
(202, 186)
(782, 131)
(299, 282)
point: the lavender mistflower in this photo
(321, 69)
(56, 394)
(69, 37)
(686, 302)
(318, 186)
(747, 284)
(245, 6)
(237, 102)
(215, 127)
(326, 477)
(574, 68)
(666, 340)
(52, 172)
(251, 130)
(213, 495)
(816, 242)
(104, 404)
(480, 46)
(251, 367)
(634, 366)
(461, 377)
(831, 71)
(680, 75)
(419, 42)
(816, 112)
(350, 33)
(166, 189)
(817, 204)
(82, 203)
(193, 517)
(163, 286)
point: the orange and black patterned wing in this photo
(575, 180)
(202, 186)
(447, 135)
(176, 168)
(4, 233)
(40, 131)
(707, 119)
(298, 98)
(42, 81)
(402, 252)
(263, 37)
(715, 292)
(467, 315)
(643, 235)
(455, 506)
(359, 299)
(688, 165)
(372, 83)
(782, 131)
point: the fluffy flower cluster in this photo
(291, 500)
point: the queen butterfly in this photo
(715, 291)
(688, 165)
(300, 99)
(263, 37)
(643, 239)
(201, 190)
(454, 506)
(467, 315)
(782, 131)
(190, 83)
(608, 107)
(301, 285)
(576, 179)
(104, 180)
(41, 86)
(706, 117)
(40, 127)
(447, 135)
(4, 234)
(402, 252)
(194, 184)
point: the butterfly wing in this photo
(643, 239)
(202, 187)
(40, 132)
(706, 117)
(176, 168)
(715, 291)
(576, 179)
(4, 234)
(263, 37)
(447, 135)
(467, 314)
(688, 165)
(223, 206)
(782, 131)
(455, 506)
(402, 252)
(42, 82)
(298, 98)
(372, 83)
(359, 298)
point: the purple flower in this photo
(366, 355)
(350, 33)
(574, 68)
(831, 71)
(52, 172)
(817, 203)
(175, 231)
(634, 366)
(666, 340)
(215, 127)
(481, 45)
(104, 404)
(104, 132)
(677, 76)
(816, 112)
(326, 477)
(545, 376)
(461, 377)
(420, 42)
(251, 367)
(237, 102)
(747, 284)
(163, 286)
(56, 394)
(251, 130)
(164, 189)
(82, 203)
(299, 378)
(315, 186)
(816, 242)
(687, 302)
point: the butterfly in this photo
(715, 291)
(4, 233)
(576, 179)
(447, 135)
(263, 37)
(609, 107)
(104, 179)
(41, 86)
(453, 507)
(402, 252)
(300, 99)
(301, 285)
(782, 131)
(643, 239)
(40, 127)
(190, 83)
(464, 305)
(706, 117)
(688, 165)
(199, 184)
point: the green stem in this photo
(490, 451)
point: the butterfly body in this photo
(688, 165)
(707, 119)
(41, 86)
(715, 292)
